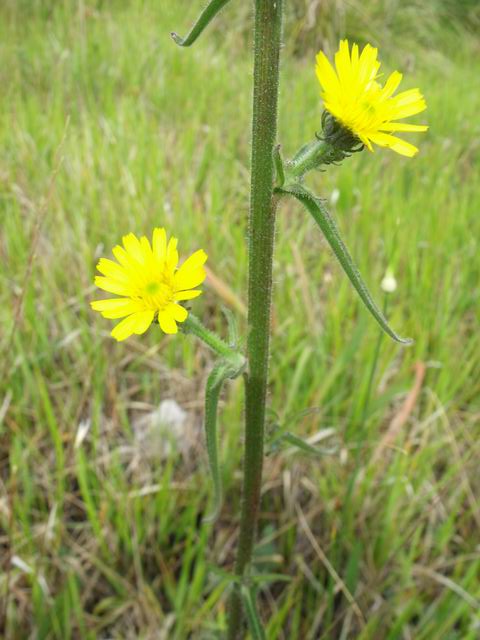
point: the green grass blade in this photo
(254, 623)
(201, 24)
(330, 230)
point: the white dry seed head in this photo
(389, 284)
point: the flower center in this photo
(157, 294)
(152, 288)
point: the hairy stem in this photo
(268, 23)
(309, 157)
(192, 325)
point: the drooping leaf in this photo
(204, 19)
(223, 370)
(218, 375)
(330, 230)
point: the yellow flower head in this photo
(150, 283)
(353, 95)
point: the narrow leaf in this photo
(225, 575)
(265, 578)
(207, 15)
(254, 623)
(330, 230)
(217, 376)
(232, 327)
(295, 441)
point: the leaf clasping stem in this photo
(230, 365)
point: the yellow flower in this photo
(353, 95)
(150, 283)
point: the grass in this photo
(106, 127)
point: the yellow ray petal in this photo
(177, 312)
(366, 141)
(136, 323)
(132, 267)
(355, 58)
(343, 64)
(123, 307)
(368, 65)
(159, 242)
(326, 74)
(391, 85)
(189, 279)
(187, 295)
(172, 253)
(143, 319)
(113, 286)
(132, 247)
(124, 329)
(112, 269)
(407, 97)
(167, 322)
(402, 126)
(108, 304)
(396, 144)
(197, 259)
(146, 250)
(405, 111)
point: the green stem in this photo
(309, 157)
(268, 24)
(192, 325)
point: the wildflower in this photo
(150, 283)
(359, 104)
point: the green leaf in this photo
(295, 441)
(254, 623)
(223, 370)
(330, 230)
(232, 328)
(265, 578)
(225, 575)
(207, 15)
(220, 372)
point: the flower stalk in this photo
(193, 326)
(311, 156)
(334, 145)
(263, 204)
